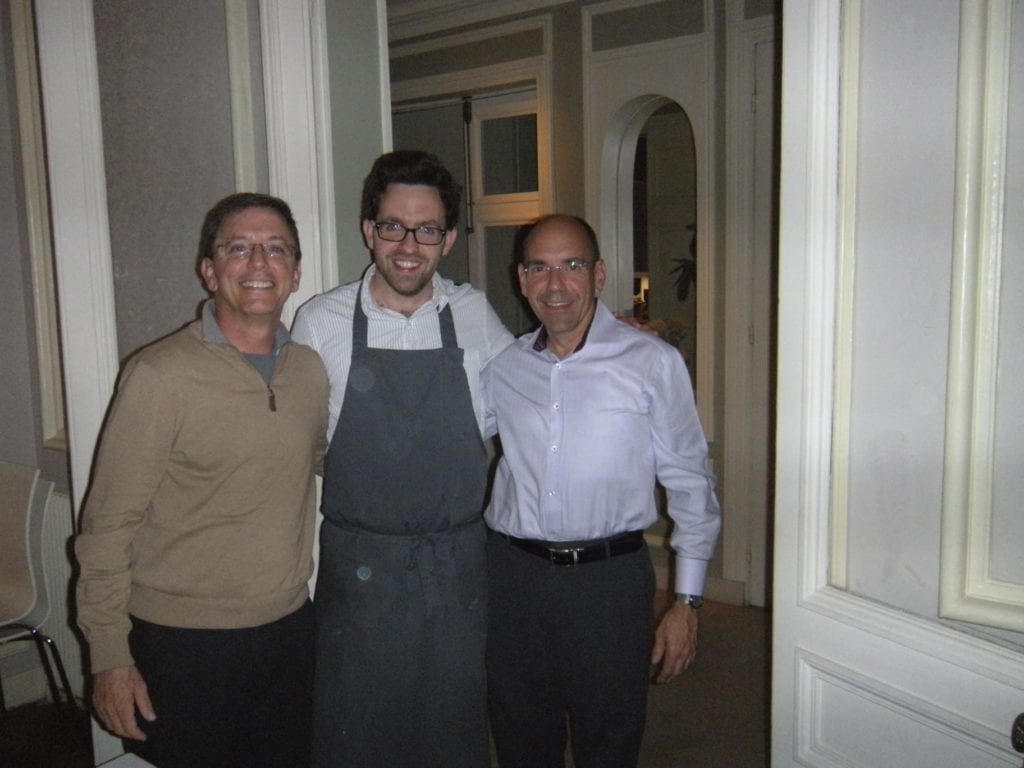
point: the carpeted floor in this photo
(713, 716)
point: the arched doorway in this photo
(665, 229)
(684, 178)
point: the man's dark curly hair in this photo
(410, 166)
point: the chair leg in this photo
(44, 642)
(69, 697)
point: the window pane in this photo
(509, 154)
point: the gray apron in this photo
(401, 589)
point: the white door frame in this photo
(747, 318)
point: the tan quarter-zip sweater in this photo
(201, 509)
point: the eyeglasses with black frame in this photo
(396, 233)
(570, 268)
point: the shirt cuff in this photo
(690, 575)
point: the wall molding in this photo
(37, 208)
(296, 87)
(240, 78)
(412, 18)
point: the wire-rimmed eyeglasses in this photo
(570, 268)
(242, 249)
(395, 232)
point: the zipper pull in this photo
(273, 400)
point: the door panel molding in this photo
(969, 591)
(843, 709)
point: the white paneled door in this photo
(878, 519)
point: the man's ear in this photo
(208, 274)
(521, 271)
(449, 240)
(368, 234)
(600, 275)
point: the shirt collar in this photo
(540, 342)
(212, 331)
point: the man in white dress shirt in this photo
(591, 412)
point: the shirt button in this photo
(554, 449)
(556, 406)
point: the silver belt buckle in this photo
(574, 551)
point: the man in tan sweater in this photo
(196, 540)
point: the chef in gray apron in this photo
(400, 597)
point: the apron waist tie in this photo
(349, 527)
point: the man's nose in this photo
(261, 249)
(556, 275)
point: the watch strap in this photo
(694, 601)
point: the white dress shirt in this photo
(585, 437)
(325, 324)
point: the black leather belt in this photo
(585, 553)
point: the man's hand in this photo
(675, 642)
(116, 694)
(634, 322)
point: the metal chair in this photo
(24, 601)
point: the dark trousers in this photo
(227, 697)
(568, 641)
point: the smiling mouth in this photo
(257, 284)
(556, 303)
(407, 265)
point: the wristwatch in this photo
(694, 601)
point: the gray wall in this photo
(166, 110)
(168, 157)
